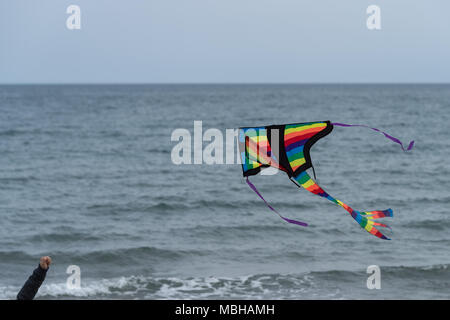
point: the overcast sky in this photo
(153, 41)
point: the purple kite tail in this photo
(304, 224)
(411, 144)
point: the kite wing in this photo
(287, 148)
(290, 143)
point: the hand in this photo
(45, 262)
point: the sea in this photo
(87, 177)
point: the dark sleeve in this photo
(31, 287)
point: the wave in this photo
(311, 285)
(178, 204)
(436, 225)
(12, 132)
(18, 132)
(142, 287)
(18, 179)
(116, 256)
(136, 255)
(410, 200)
(64, 237)
(240, 228)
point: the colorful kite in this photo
(286, 147)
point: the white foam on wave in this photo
(141, 287)
(106, 288)
(244, 287)
(316, 285)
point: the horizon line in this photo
(218, 83)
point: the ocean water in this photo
(86, 177)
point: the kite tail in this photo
(410, 146)
(252, 186)
(364, 218)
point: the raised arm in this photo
(32, 285)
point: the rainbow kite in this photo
(286, 147)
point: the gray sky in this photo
(124, 41)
